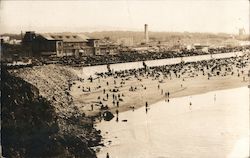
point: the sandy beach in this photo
(130, 92)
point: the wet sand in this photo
(212, 127)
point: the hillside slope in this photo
(31, 126)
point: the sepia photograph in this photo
(125, 78)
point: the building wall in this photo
(44, 47)
(97, 51)
(59, 48)
(49, 45)
(87, 51)
(108, 50)
(76, 49)
(94, 43)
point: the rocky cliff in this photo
(30, 125)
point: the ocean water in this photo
(209, 125)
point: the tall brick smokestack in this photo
(146, 33)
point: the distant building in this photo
(29, 37)
(232, 42)
(140, 49)
(5, 39)
(45, 45)
(126, 41)
(189, 47)
(61, 44)
(95, 45)
(28, 40)
(200, 47)
(15, 42)
(242, 32)
(108, 47)
(244, 43)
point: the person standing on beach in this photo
(108, 67)
(117, 115)
(190, 106)
(92, 107)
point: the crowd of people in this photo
(115, 88)
(123, 57)
(135, 56)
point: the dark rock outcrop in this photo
(107, 115)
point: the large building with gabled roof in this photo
(63, 44)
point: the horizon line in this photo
(153, 31)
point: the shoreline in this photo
(184, 95)
(207, 86)
(165, 120)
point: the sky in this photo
(215, 16)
